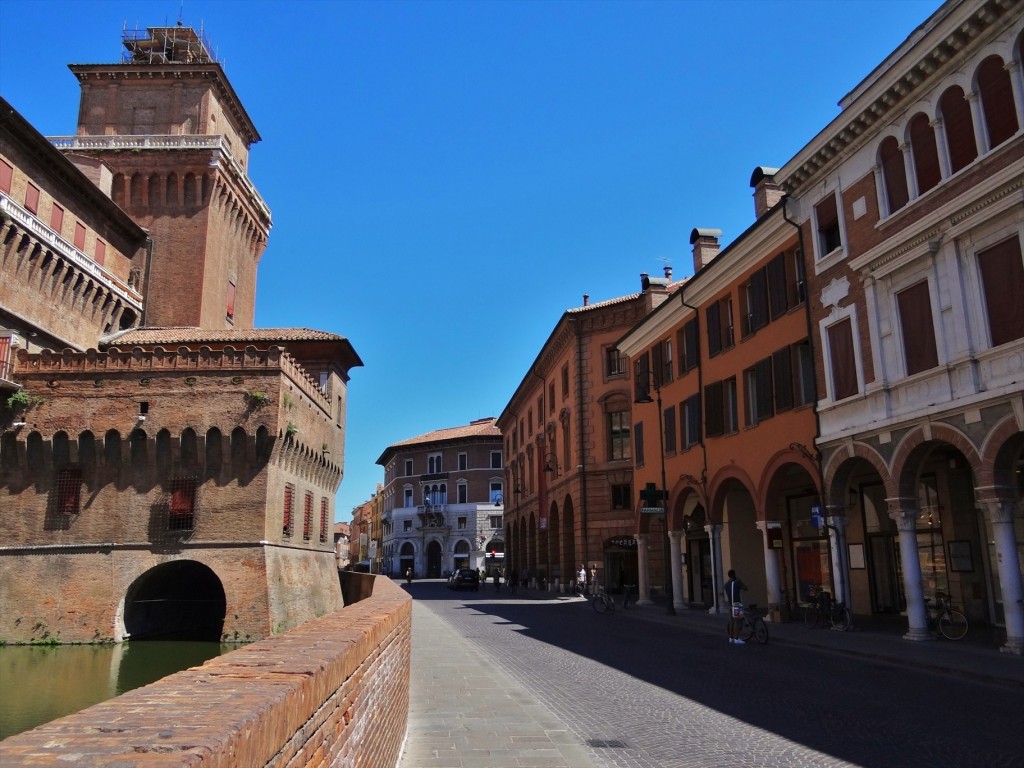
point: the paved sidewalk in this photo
(466, 713)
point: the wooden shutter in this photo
(714, 423)
(6, 177)
(997, 100)
(1002, 276)
(842, 359)
(714, 323)
(79, 236)
(782, 374)
(758, 299)
(101, 252)
(915, 309)
(778, 301)
(31, 198)
(56, 218)
(926, 154)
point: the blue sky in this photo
(446, 178)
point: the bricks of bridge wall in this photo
(334, 691)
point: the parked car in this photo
(464, 578)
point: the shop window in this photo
(1001, 277)
(288, 510)
(997, 101)
(31, 198)
(894, 174)
(181, 507)
(842, 359)
(811, 555)
(826, 215)
(956, 118)
(915, 308)
(925, 152)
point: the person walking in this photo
(497, 580)
(593, 578)
(581, 581)
(408, 575)
(734, 589)
(513, 581)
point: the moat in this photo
(43, 683)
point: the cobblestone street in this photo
(632, 692)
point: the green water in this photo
(39, 684)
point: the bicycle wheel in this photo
(599, 603)
(746, 629)
(611, 603)
(760, 630)
(811, 616)
(840, 618)
(952, 625)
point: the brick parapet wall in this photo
(334, 691)
(181, 360)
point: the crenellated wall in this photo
(332, 692)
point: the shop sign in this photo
(622, 542)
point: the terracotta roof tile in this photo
(190, 335)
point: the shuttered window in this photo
(323, 520)
(714, 325)
(827, 215)
(670, 429)
(778, 286)
(101, 252)
(915, 309)
(894, 174)
(782, 373)
(56, 218)
(690, 416)
(842, 360)
(79, 236)
(6, 177)
(925, 151)
(31, 198)
(307, 517)
(691, 345)
(1002, 276)
(288, 510)
(956, 117)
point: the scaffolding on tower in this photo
(166, 45)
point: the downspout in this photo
(817, 415)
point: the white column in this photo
(715, 534)
(837, 535)
(1017, 82)
(1000, 515)
(772, 569)
(684, 572)
(675, 563)
(642, 564)
(981, 141)
(904, 512)
(942, 145)
(910, 169)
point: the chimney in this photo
(767, 192)
(705, 246)
(654, 289)
(586, 299)
(668, 272)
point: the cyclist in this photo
(734, 589)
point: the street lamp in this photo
(643, 397)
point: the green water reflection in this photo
(40, 684)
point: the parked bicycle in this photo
(752, 624)
(824, 608)
(627, 595)
(943, 620)
(602, 601)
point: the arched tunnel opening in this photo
(182, 600)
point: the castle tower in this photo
(176, 138)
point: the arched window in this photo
(894, 174)
(138, 449)
(171, 194)
(87, 451)
(956, 117)
(925, 152)
(34, 454)
(112, 449)
(996, 101)
(239, 458)
(154, 191)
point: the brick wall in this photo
(334, 691)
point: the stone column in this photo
(1000, 514)
(1017, 83)
(942, 147)
(715, 534)
(772, 571)
(675, 563)
(643, 577)
(911, 172)
(837, 535)
(904, 512)
(981, 141)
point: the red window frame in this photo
(288, 509)
(307, 516)
(323, 520)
